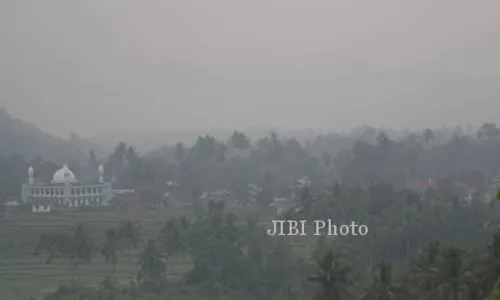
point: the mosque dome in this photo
(64, 175)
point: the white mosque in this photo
(65, 191)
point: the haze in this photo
(97, 67)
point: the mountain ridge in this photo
(19, 137)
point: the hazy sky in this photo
(98, 66)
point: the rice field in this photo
(22, 274)
(30, 276)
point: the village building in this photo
(282, 205)
(253, 192)
(217, 195)
(495, 181)
(125, 200)
(173, 194)
(422, 186)
(303, 182)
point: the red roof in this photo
(422, 185)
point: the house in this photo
(152, 195)
(495, 181)
(303, 182)
(125, 199)
(253, 192)
(282, 205)
(173, 194)
(466, 192)
(422, 186)
(217, 195)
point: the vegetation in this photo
(428, 239)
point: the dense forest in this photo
(427, 198)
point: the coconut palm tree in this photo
(487, 267)
(110, 248)
(151, 264)
(118, 157)
(428, 136)
(174, 239)
(333, 278)
(239, 140)
(383, 139)
(129, 234)
(488, 131)
(383, 287)
(450, 275)
(78, 247)
(180, 152)
(256, 243)
(83, 246)
(56, 246)
(426, 261)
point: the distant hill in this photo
(20, 137)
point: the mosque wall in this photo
(68, 194)
(65, 191)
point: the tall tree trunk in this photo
(372, 249)
(407, 249)
(76, 274)
(418, 241)
(336, 294)
(454, 292)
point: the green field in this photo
(23, 274)
(20, 277)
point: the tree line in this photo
(359, 158)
